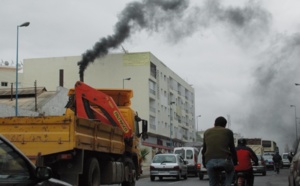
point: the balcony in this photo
(152, 109)
(152, 91)
(153, 127)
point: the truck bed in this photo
(54, 134)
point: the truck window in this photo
(181, 152)
(189, 154)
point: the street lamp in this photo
(17, 66)
(126, 79)
(197, 121)
(297, 84)
(171, 143)
(295, 121)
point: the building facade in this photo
(7, 76)
(160, 95)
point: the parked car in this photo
(17, 169)
(294, 175)
(200, 168)
(190, 155)
(285, 160)
(168, 165)
(269, 161)
(261, 167)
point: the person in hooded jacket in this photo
(277, 159)
(245, 157)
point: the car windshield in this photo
(164, 159)
(285, 156)
(268, 157)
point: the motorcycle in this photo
(241, 179)
(221, 176)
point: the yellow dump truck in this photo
(95, 142)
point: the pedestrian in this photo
(290, 156)
(277, 159)
(218, 152)
(159, 152)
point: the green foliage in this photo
(144, 153)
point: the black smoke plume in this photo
(136, 15)
(178, 20)
(248, 26)
(274, 92)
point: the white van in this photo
(201, 169)
(189, 154)
(285, 160)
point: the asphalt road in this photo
(271, 179)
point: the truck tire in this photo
(130, 165)
(152, 178)
(91, 173)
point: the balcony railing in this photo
(152, 126)
(152, 109)
(152, 91)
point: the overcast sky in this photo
(240, 56)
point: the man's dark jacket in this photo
(218, 143)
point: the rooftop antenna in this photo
(125, 51)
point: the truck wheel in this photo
(152, 178)
(91, 173)
(132, 178)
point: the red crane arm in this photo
(108, 111)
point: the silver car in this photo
(285, 160)
(261, 167)
(294, 175)
(168, 165)
(269, 161)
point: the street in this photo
(271, 179)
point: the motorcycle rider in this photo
(245, 155)
(290, 156)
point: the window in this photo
(181, 152)
(12, 165)
(189, 154)
(4, 84)
(153, 70)
(152, 87)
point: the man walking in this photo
(218, 152)
(277, 159)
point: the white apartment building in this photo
(160, 95)
(7, 76)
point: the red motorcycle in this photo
(241, 179)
